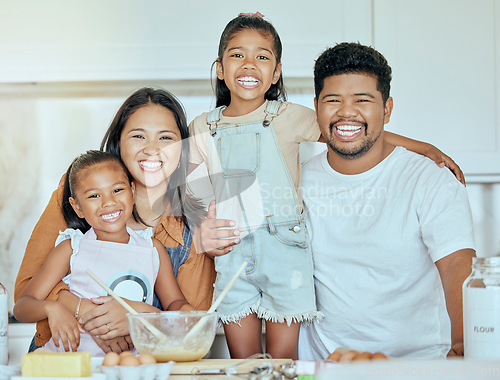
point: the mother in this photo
(141, 135)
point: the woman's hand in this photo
(118, 344)
(443, 160)
(63, 326)
(108, 320)
(214, 240)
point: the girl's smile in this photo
(248, 81)
(112, 217)
(249, 68)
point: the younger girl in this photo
(250, 145)
(98, 200)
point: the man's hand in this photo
(453, 270)
(456, 350)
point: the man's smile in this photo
(347, 130)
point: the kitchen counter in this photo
(414, 369)
(222, 368)
(388, 369)
(20, 336)
(450, 369)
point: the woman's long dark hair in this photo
(85, 161)
(276, 91)
(183, 204)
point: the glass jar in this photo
(481, 303)
(4, 327)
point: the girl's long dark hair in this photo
(183, 204)
(276, 91)
(85, 161)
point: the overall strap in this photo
(271, 112)
(213, 118)
(273, 107)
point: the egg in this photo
(129, 360)
(111, 359)
(125, 353)
(147, 359)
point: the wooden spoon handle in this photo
(148, 325)
(228, 286)
(110, 292)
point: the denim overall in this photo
(252, 186)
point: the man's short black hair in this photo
(353, 58)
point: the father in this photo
(392, 237)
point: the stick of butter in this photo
(57, 364)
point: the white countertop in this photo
(20, 336)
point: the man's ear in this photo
(316, 105)
(389, 104)
(76, 207)
(219, 70)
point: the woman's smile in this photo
(151, 166)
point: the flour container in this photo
(481, 303)
(4, 327)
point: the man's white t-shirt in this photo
(375, 238)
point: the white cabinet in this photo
(445, 56)
(59, 40)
